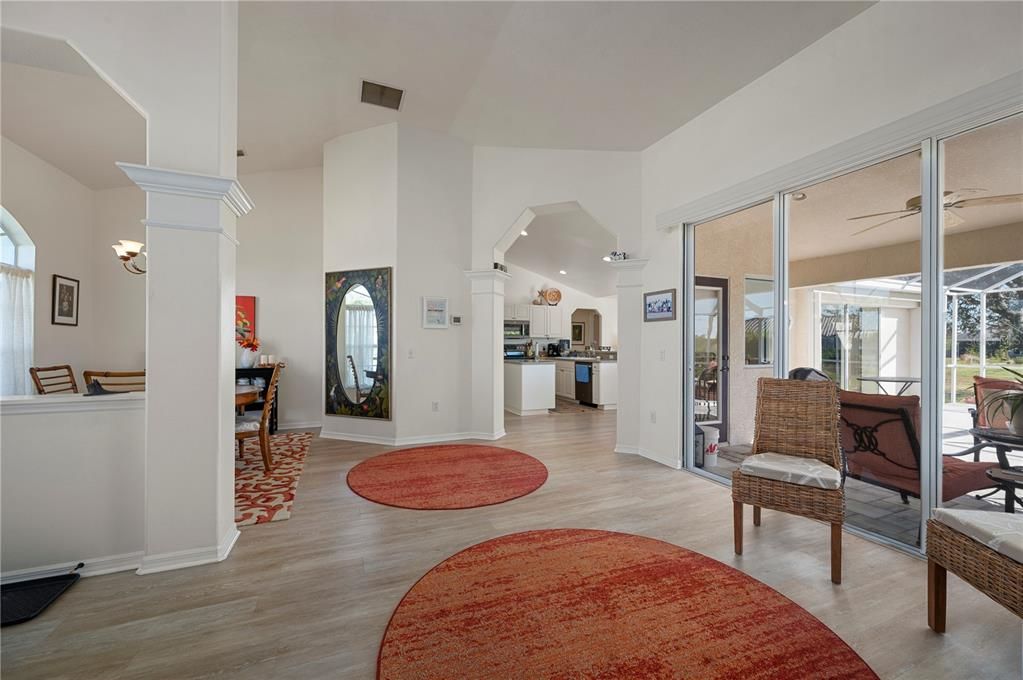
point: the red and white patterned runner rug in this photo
(260, 497)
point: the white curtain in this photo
(360, 343)
(17, 305)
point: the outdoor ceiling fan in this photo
(953, 199)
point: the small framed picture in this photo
(659, 305)
(578, 332)
(435, 312)
(65, 301)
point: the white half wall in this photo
(72, 484)
(280, 255)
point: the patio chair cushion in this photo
(792, 469)
(1000, 531)
(246, 424)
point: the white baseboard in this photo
(646, 453)
(412, 441)
(95, 566)
(529, 412)
(153, 564)
(311, 425)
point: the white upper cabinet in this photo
(546, 322)
(516, 312)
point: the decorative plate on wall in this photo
(552, 295)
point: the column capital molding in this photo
(487, 275)
(191, 184)
(635, 264)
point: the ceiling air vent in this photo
(381, 95)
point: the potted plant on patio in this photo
(1008, 402)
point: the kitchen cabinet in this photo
(605, 384)
(529, 387)
(564, 379)
(546, 322)
(516, 312)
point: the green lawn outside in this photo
(964, 378)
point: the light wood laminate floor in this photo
(310, 597)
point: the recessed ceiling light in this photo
(799, 196)
(606, 258)
(563, 272)
(524, 233)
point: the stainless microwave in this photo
(516, 329)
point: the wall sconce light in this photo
(127, 251)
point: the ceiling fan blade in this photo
(952, 220)
(881, 224)
(882, 214)
(987, 200)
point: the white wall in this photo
(280, 254)
(868, 72)
(72, 484)
(120, 336)
(57, 213)
(360, 231)
(433, 251)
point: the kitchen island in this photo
(528, 387)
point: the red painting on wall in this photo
(244, 317)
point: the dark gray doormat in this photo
(25, 600)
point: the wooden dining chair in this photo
(355, 377)
(53, 379)
(247, 427)
(117, 381)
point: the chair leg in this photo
(836, 553)
(756, 515)
(905, 498)
(737, 525)
(936, 596)
(264, 448)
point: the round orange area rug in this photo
(447, 477)
(571, 603)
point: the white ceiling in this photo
(580, 75)
(988, 158)
(54, 105)
(565, 237)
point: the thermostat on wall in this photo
(456, 320)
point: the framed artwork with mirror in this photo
(358, 343)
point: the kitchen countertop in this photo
(527, 361)
(595, 360)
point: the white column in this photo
(189, 479)
(630, 338)
(487, 321)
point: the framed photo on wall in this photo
(435, 312)
(65, 301)
(659, 305)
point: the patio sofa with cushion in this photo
(880, 439)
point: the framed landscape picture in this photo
(65, 301)
(659, 305)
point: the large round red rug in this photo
(570, 603)
(447, 477)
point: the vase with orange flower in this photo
(250, 351)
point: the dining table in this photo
(245, 395)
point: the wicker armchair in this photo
(993, 573)
(800, 419)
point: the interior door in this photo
(710, 353)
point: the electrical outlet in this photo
(662, 355)
(653, 417)
(435, 406)
(411, 354)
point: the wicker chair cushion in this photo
(792, 469)
(246, 424)
(1000, 531)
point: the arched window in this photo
(17, 305)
